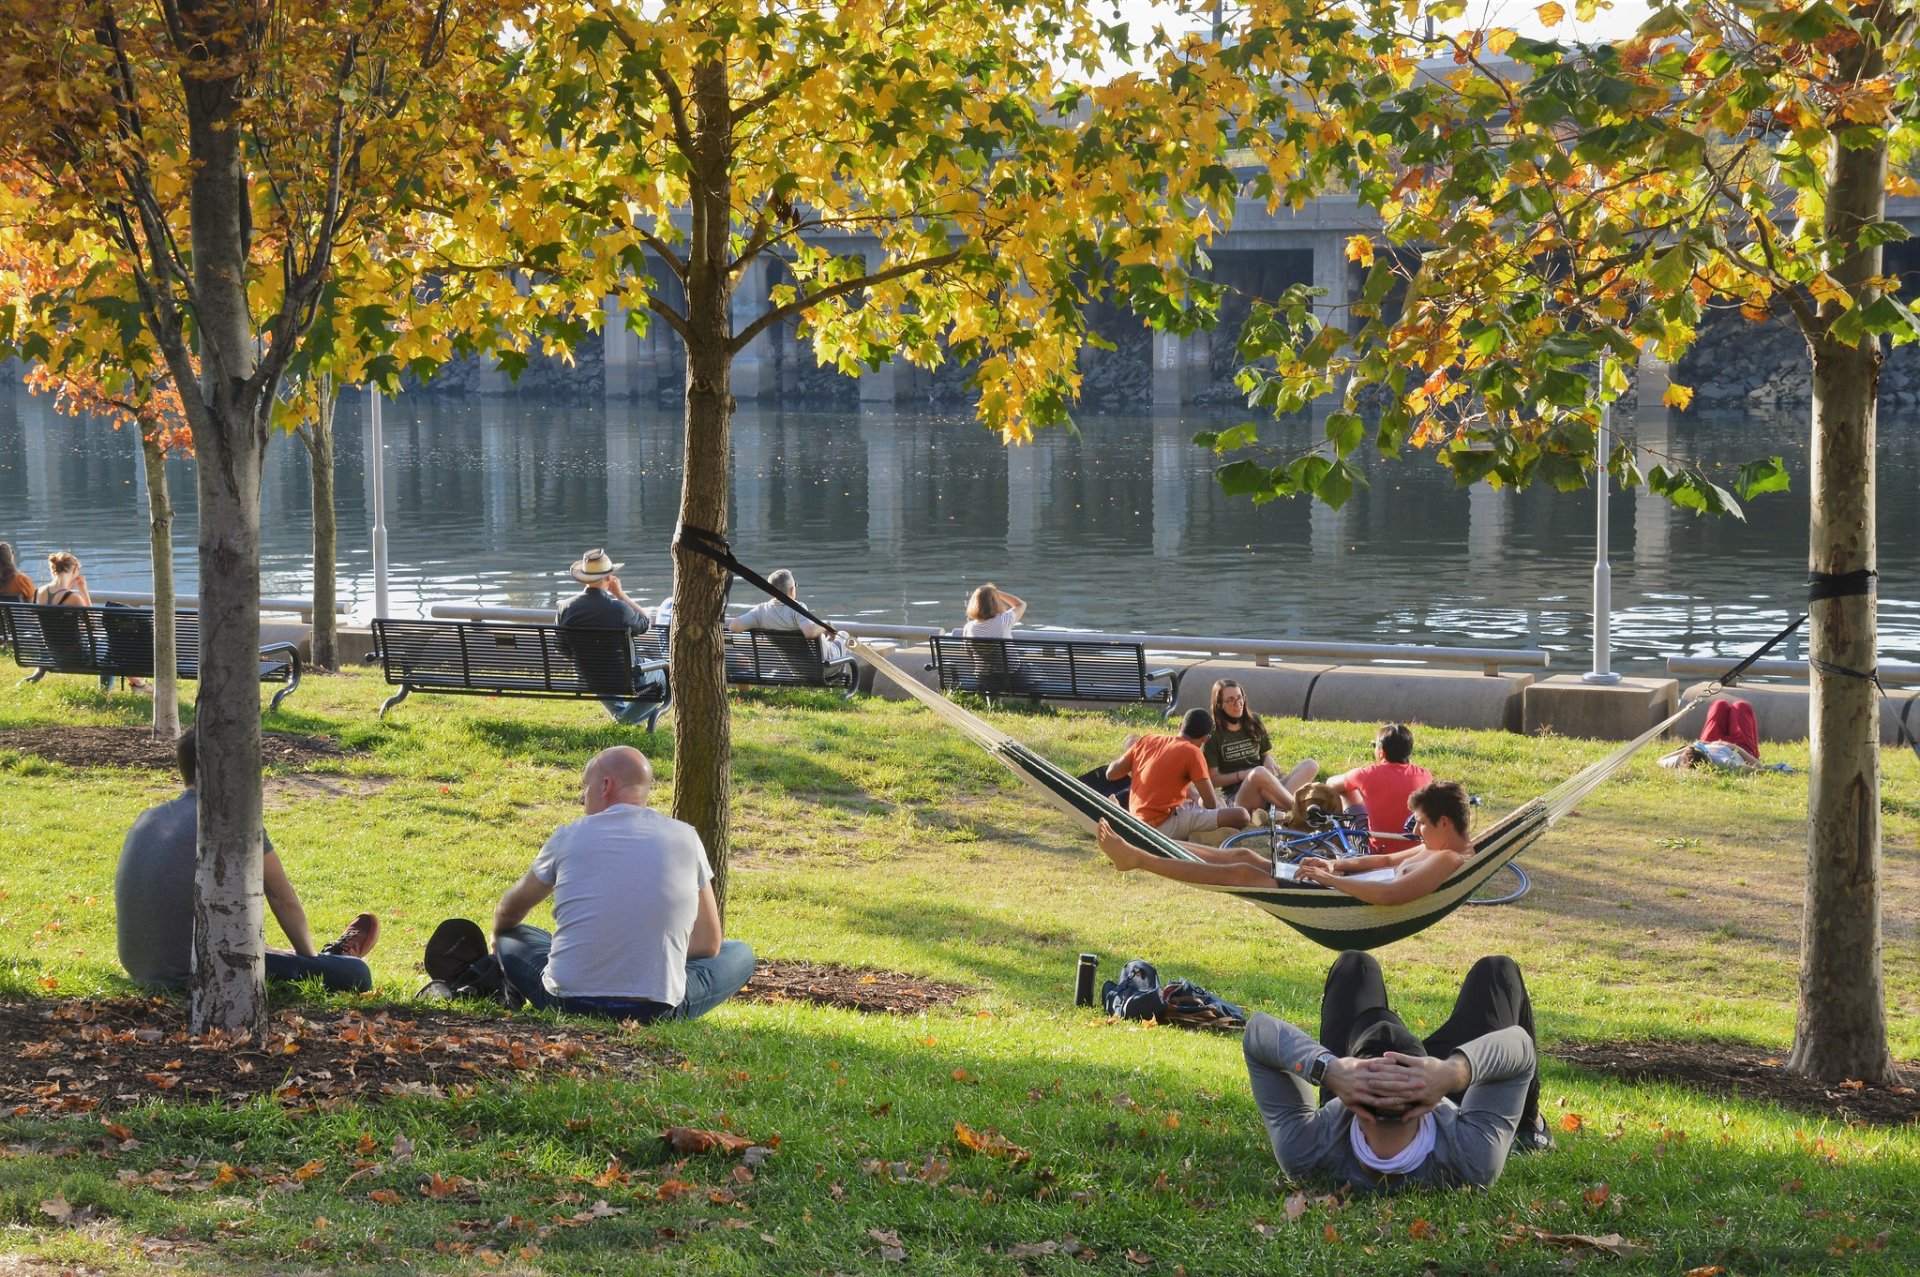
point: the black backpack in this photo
(460, 964)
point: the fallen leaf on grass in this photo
(1068, 1246)
(688, 1139)
(990, 1142)
(1707, 1270)
(440, 1186)
(116, 1130)
(1598, 1194)
(1611, 1243)
(1140, 1258)
(1422, 1230)
(890, 1248)
(385, 1196)
(1573, 1122)
(1295, 1206)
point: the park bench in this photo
(772, 658)
(117, 642)
(1052, 669)
(520, 659)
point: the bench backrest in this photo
(97, 640)
(510, 658)
(1066, 669)
(776, 657)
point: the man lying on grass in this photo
(1440, 822)
(1393, 1109)
(636, 926)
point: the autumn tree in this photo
(223, 152)
(1547, 210)
(936, 180)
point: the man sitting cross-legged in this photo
(1440, 821)
(1394, 1109)
(1161, 769)
(153, 902)
(636, 926)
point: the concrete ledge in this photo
(298, 633)
(1782, 712)
(1437, 698)
(1570, 706)
(1274, 691)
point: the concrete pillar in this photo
(1652, 514)
(752, 367)
(1487, 517)
(1326, 530)
(747, 511)
(886, 383)
(885, 492)
(623, 479)
(1172, 451)
(1652, 378)
(43, 444)
(622, 351)
(1330, 272)
(499, 471)
(1029, 488)
(1173, 365)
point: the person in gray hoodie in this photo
(1394, 1110)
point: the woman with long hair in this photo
(1240, 756)
(68, 588)
(15, 586)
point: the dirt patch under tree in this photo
(136, 747)
(1739, 1069)
(888, 992)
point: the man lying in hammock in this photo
(1440, 822)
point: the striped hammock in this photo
(1323, 915)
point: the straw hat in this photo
(594, 565)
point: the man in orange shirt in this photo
(1160, 768)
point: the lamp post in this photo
(1602, 671)
(379, 467)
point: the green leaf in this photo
(1243, 479)
(1345, 430)
(1766, 475)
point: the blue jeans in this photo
(339, 973)
(524, 951)
(634, 712)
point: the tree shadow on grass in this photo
(558, 745)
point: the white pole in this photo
(379, 504)
(1602, 671)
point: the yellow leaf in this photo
(1550, 14)
(1677, 396)
(1360, 249)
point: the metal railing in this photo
(1891, 672)
(191, 603)
(1260, 651)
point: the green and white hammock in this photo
(1322, 915)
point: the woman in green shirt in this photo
(1240, 756)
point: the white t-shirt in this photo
(1000, 627)
(626, 889)
(773, 615)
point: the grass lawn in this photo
(868, 835)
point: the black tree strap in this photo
(714, 546)
(1732, 676)
(1839, 585)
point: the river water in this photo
(896, 515)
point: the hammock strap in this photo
(1732, 676)
(714, 546)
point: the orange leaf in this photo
(385, 1196)
(307, 1172)
(688, 1139)
(1573, 1122)
(1331, 1234)
(990, 1142)
(1422, 1230)
(1707, 1270)
(1598, 1194)
(441, 1186)
(116, 1130)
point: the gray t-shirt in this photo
(626, 890)
(772, 615)
(153, 893)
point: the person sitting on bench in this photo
(603, 605)
(153, 902)
(637, 932)
(1395, 1110)
(1440, 813)
(776, 615)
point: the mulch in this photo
(83, 1056)
(882, 992)
(1739, 1069)
(136, 747)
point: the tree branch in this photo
(810, 300)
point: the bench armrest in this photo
(1173, 677)
(292, 655)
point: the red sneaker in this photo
(357, 940)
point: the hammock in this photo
(1321, 914)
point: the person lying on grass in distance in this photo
(1440, 820)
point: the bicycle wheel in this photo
(1503, 886)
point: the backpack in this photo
(460, 964)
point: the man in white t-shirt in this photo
(776, 615)
(636, 927)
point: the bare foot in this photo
(1122, 853)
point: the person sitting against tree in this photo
(607, 667)
(1395, 1110)
(637, 932)
(1240, 756)
(1440, 814)
(1380, 790)
(1160, 770)
(153, 902)
(777, 615)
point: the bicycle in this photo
(1338, 835)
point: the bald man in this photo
(636, 927)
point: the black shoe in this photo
(1533, 1138)
(436, 991)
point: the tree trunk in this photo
(229, 981)
(326, 525)
(702, 732)
(166, 665)
(1841, 1029)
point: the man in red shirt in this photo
(1382, 788)
(1160, 768)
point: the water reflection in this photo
(896, 515)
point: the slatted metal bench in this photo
(1052, 669)
(117, 642)
(772, 658)
(522, 659)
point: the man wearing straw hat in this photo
(603, 605)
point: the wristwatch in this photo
(1317, 1071)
